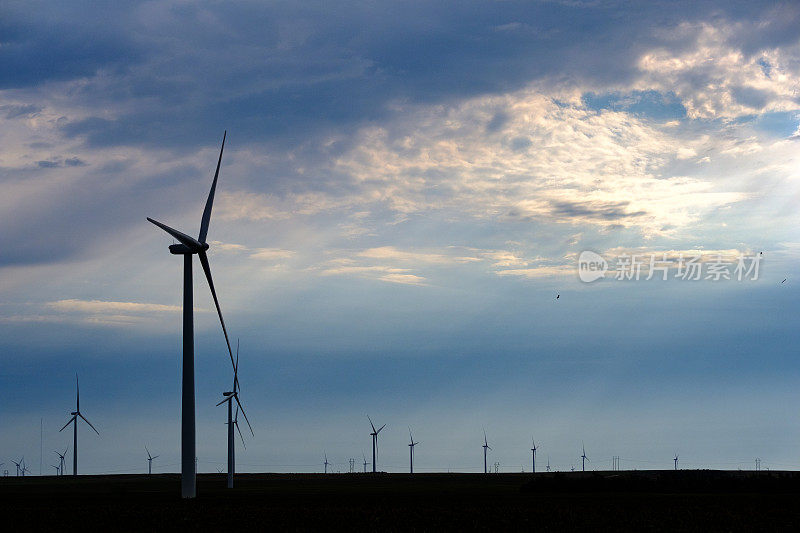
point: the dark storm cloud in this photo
(607, 211)
(287, 71)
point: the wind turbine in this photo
(24, 468)
(150, 461)
(485, 448)
(187, 248)
(18, 464)
(548, 463)
(230, 396)
(58, 469)
(374, 443)
(326, 463)
(676, 461)
(583, 458)
(533, 452)
(61, 457)
(365, 462)
(74, 420)
(411, 450)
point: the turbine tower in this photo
(533, 453)
(61, 457)
(326, 463)
(74, 420)
(485, 448)
(676, 461)
(230, 396)
(187, 248)
(583, 458)
(374, 443)
(411, 450)
(150, 461)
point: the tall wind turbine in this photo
(533, 452)
(230, 396)
(150, 461)
(411, 450)
(676, 461)
(583, 458)
(74, 421)
(374, 443)
(326, 463)
(187, 248)
(485, 448)
(61, 457)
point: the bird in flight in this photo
(558, 296)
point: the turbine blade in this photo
(236, 369)
(210, 201)
(371, 424)
(224, 400)
(207, 270)
(155, 457)
(90, 424)
(182, 237)
(383, 426)
(148, 452)
(236, 425)
(243, 413)
(65, 425)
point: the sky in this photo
(404, 197)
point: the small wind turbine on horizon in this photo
(187, 248)
(58, 470)
(74, 420)
(548, 463)
(374, 443)
(326, 463)
(676, 461)
(61, 457)
(230, 396)
(150, 461)
(365, 462)
(411, 450)
(485, 448)
(583, 458)
(533, 453)
(18, 464)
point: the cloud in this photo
(100, 306)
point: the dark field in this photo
(650, 500)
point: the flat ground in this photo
(694, 500)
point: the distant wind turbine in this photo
(187, 248)
(411, 450)
(365, 462)
(74, 420)
(533, 453)
(485, 448)
(374, 443)
(583, 458)
(230, 396)
(326, 463)
(61, 457)
(18, 464)
(548, 463)
(676, 461)
(150, 461)
(58, 471)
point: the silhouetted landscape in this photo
(700, 500)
